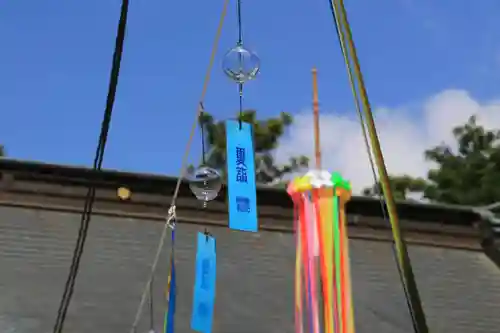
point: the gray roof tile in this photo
(460, 290)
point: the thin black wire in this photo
(240, 116)
(97, 165)
(375, 178)
(202, 128)
(240, 33)
(240, 42)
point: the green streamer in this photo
(336, 245)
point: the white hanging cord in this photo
(171, 217)
(169, 224)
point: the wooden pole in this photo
(322, 278)
(317, 146)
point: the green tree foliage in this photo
(467, 175)
(2, 151)
(266, 137)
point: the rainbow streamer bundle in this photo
(323, 297)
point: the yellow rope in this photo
(183, 166)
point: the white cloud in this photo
(404, 135)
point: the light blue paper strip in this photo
(241, 177)
(204, 285)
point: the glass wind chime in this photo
(321, 247)
(240, 65)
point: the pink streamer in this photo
(309, 220)
(315, 230)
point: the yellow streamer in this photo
(344, 197)
(326, 216)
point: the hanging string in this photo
(202, 128)
(98, 160)
(240, 113)
(171, 219)
(240, 32)
(240, 43)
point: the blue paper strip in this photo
(168, 326)
(204, 285)
(242, 192)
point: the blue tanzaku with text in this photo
(242, 191)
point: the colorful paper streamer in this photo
(322, 247)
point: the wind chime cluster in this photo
(322, 303)
(240, 65)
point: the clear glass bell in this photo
(205, 183)
(240, 64)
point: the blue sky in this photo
(55, 58)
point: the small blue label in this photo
(242, 191)
(204, 285)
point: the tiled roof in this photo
(460, 289)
